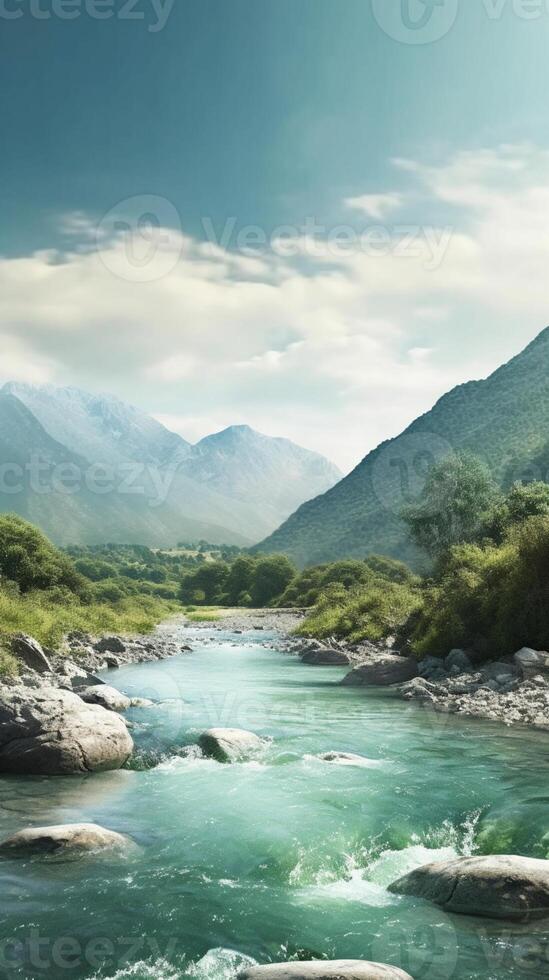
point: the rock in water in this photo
(29, 652)
(324, 970)
(63, 839)
(229, 744)
(50, 731)
(497, 886)
(382, 671)
(108, 697)
(326, 658)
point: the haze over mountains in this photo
(503, 419)
(89, 468)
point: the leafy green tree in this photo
(522, 502)
(209, 579)
(28, 558)
(240, 579)
(272, 576)
(459, 493)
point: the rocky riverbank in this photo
(513, 691)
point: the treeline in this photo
(487, 588)
(44, 591)
(486, 584)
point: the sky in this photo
(309, 216)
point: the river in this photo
(281, 856)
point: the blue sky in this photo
(272, 113)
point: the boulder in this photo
(110, 644)
(326, 657)
(431, 669)
(459, 659)
(532, 662)
(108, 697)
(51, 731)
(74, 677)
(497, 886)
(30, 653)
(382, 672)
(229, 744)
(324, 970)
(63, 839)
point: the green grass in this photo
(203, 615)
(48, 621)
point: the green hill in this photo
(503, 419)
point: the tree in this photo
(209, 580)
(240, 579)
(28, 558)
(522, 502)
(272, 575)
(459, 493)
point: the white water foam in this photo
(143, 970)
(367, 877)
(360, 761)
(220, 964)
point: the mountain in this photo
(275, 475)
(90, 468)
(504, 419)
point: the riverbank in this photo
(514, 691)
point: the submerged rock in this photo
(63, 838)
(324, 970)
(326, 657)
(382, 672)
(51, 731)
(30, 653)
(229, 744)
(497, 886)
(108, 697)
(348, 759)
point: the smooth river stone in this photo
(325, 970)
(52, 732)
(382, 672)
(63, 838)
(497, 886)
(229, 744)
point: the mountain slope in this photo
(65, 495)
(503, 419)
(233, 488)
(274, 476)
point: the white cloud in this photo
(336, 348)
(376, 206)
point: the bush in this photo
(30, 560)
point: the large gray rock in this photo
(382, 672)
(110, 644)
(30, 653)
(497, 887)
(326, 657)
(229, 744)
(51, 731)
(532, 662)
(324, 970)
(459, 660)
(63, 839)
(108, 697)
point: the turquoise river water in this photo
(282, 856)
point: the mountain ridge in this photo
(503, 418)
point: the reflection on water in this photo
(284, 855)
